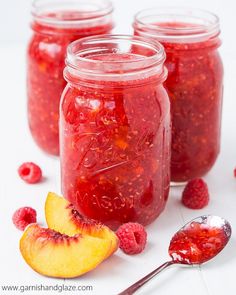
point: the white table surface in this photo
(214, 278)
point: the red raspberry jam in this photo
(115, 130)
(55, 25)
(199, 242)
(194, 85)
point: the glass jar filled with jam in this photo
(115, 129)
(194, 84)
(55, 25)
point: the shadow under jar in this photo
(56, 23)
(194, 84)
(115, 129)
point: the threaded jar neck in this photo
(71, 14)
(114, 58)
(177, 25)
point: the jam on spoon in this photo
(195, 243)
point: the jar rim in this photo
(51, 12)
(123, 60)
(177, 24)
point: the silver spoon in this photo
(196, 242)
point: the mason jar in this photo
(115, 129)
(55, 24)
(194, 84)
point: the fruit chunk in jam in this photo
(197, 243)
(115, 147)
(45, 82)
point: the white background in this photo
(214, 278)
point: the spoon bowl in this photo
(197, 242)
(200, 240)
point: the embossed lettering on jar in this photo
(115, 130)
(194, 84)
(55, 25)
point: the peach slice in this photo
(61, 216)
(56, 255)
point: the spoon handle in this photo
(133, 288)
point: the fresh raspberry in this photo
(30, 172)
(195, 194)
(235, 172)
(23, 217)
(133, 237)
